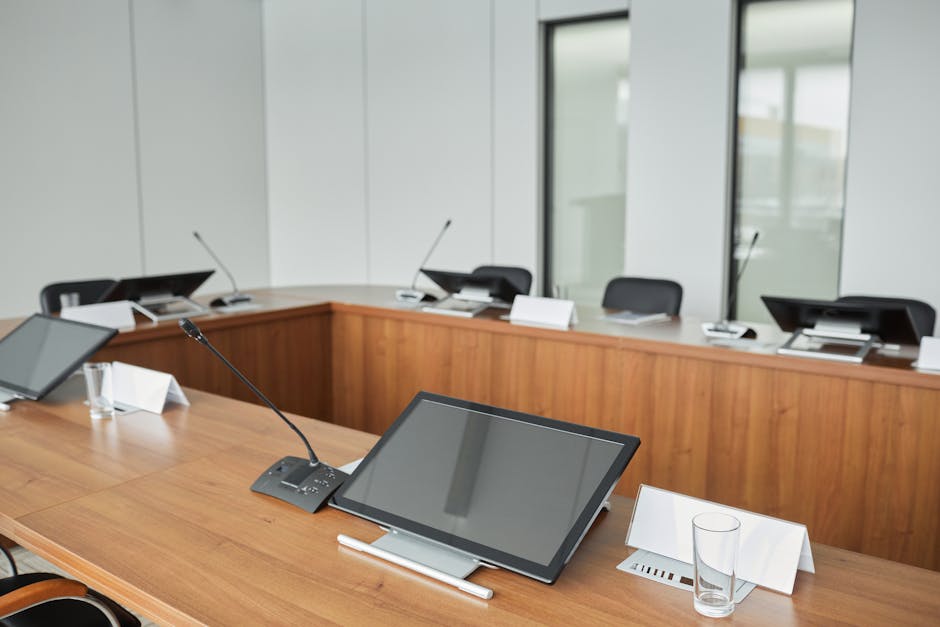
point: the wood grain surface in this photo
(852, 451)
(158, 515)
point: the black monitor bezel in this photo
(890, 322)
(181, 285)
(543, 572)
(452, 282)
(36, 395)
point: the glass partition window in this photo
(792, 134)
(586, 142)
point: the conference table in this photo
(155, 511)
(851, 451)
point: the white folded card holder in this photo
(929, 356)
(539, 311)
(141, 388)
(770, 552)
(117, 315)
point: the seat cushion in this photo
(64, 612)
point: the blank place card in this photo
(770, 553)
(544, 312)
(141, 388)
(929, 357)
(117, 315)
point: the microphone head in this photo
(447, 224)
(754, 239)
(190, 329)
(196, 235)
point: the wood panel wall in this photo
(858, 462)
(287, 356)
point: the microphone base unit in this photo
(726, 330)
(413, 296)
(294, 480)
(235, 298)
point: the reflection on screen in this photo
(37, 352)
(509, 485)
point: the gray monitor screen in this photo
(41, 352)
(483, 477)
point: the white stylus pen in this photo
(460, 584)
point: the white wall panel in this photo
(892, 213)
(316, 141)
(202, 151)
(68, 194)
(429, 134)
(678, 166)
(516, 146)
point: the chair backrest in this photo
(643, 295)
(520, 277)
(923, 314)
(88, 292)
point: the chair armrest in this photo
(39, 592)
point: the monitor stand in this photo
(169, 307)
(842, 334)
(433, 560)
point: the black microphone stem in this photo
(414, 281)
(217, 260)
(737, 279)
(314, 460)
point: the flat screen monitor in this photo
(453, 282)
(512, 489)
(892, 323)
(42, 351)
(143, 288)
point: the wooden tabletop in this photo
(156, 512)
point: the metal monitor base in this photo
(864, 342)
(156, 310)
(430, 559)
(293, 480)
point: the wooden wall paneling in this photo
(926, 405)
(820, 475)
(632, 412)
(288, 359)
(514, 373)
(348, 371)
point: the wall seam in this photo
(267, 139)
(365, 143)
(135, 108)
(492, 131)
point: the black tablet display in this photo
(144, 287)
(41, 352)
(513, 489)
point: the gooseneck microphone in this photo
(235, 297)
(726, 329)
(306, 483)
(413, 295)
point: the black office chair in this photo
(88, 292)
(923, 314)
(45, 599)
(643, 295)
(520, 277)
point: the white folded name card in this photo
(142, 388)
(929, 356)
(535, 310)
(117, 315)
(770, 551)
